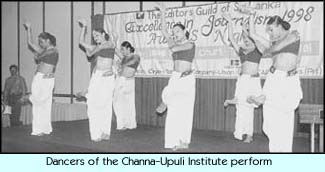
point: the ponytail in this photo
(279, 21)
(127, 44)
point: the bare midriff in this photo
(249, 68)
(45, 68)
(182, 66)
(285, 61)
(127, 72)
(104, 64)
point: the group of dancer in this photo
(107, 89)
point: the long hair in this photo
(278, 21)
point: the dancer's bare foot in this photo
(97, 140)
(176, 148)
(105, 137)
(184, 145)
(123, 129)
(161, 108)
(248, 139)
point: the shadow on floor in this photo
(73, 136)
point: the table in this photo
(311, 114)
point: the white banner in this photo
(214, 58)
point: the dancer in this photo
(179, 95)
(101, 85)
(124, 93)
(248, 83)
(46, 57)
(282, 90)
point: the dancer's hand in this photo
(296, 34)
(108, 73)
(250, 99)
(226, 103)
(82, 23)
(27, 25)
(246, 9)
(161, 6)
(226, 16)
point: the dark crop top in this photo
(133, 61)
(253, 56)
(105, 53)
(50, 56)
(291, 48)
(185, 55)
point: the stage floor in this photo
(73, 136)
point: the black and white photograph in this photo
(162, 76)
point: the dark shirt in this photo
(50, 56)
(253, 56)
(105, 53)
(132, 61)
(185, 55)
(291, 48)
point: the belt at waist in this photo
(186, 73)
(289, 73)
(255, 75)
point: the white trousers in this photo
(283, 94)
(41, 99)
(179, 96)
(246, 86)
(99, 104)
(124, 103)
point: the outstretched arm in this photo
(33, 47)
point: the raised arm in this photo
(170, 41)
(259, 45)
(231, 31)
(263, 42)
(33, 47)
(88, 48)
(112, 35)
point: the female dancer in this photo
(46, 56)
(248, 83)
(124, 93)
(100, 91)
(179, 95)
(282, 90)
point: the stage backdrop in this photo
(214, 58)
